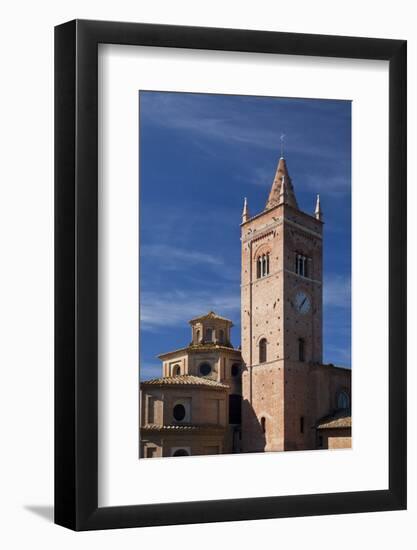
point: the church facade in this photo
(275, 393)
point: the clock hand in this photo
(302, 303)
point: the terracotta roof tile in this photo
(340, 419)
(183, 427)
(210, 315)
(185, 379)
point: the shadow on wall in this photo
(253, 430)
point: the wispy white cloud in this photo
(184, 112)
(173, 258)
(177, 259)
(189, 113)
(337, 291)
(258, 175)
(150, 370)
(329, 185)
(169, 309)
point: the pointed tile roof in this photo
(210, 315)
(275, 195)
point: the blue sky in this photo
(200, 155)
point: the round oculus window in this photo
(181, 452)
(179, 412)
(205, 369)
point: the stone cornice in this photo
(287, 207)
(255, 235)
(198, 348)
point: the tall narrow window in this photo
(209, 334)
(151, 409)
(235, 408)
(262, 350)
(258, 267)
(221, 336)
(197, 336)
(343, 400)
(235, 370)
(263, 424)
(301, 424)
(267, 264)
(176, 371)
(301, 349)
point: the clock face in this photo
(302, 302)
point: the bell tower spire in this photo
(281, 320)
(281, 175)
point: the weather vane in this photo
(282, 144)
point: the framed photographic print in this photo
(230, 275)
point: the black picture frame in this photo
(76, 272)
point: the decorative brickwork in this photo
(285, 395)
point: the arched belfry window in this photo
(301, 265)
(197, 336)
(343, 401)
(262, 350)
(209, 334)
(221, 336)
(262, 265)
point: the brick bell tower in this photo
(281, 309)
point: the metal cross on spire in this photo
(282, 145)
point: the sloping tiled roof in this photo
(340, 419)
(210, 315)
(183, 427)
(185, 379)
(209, 346)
